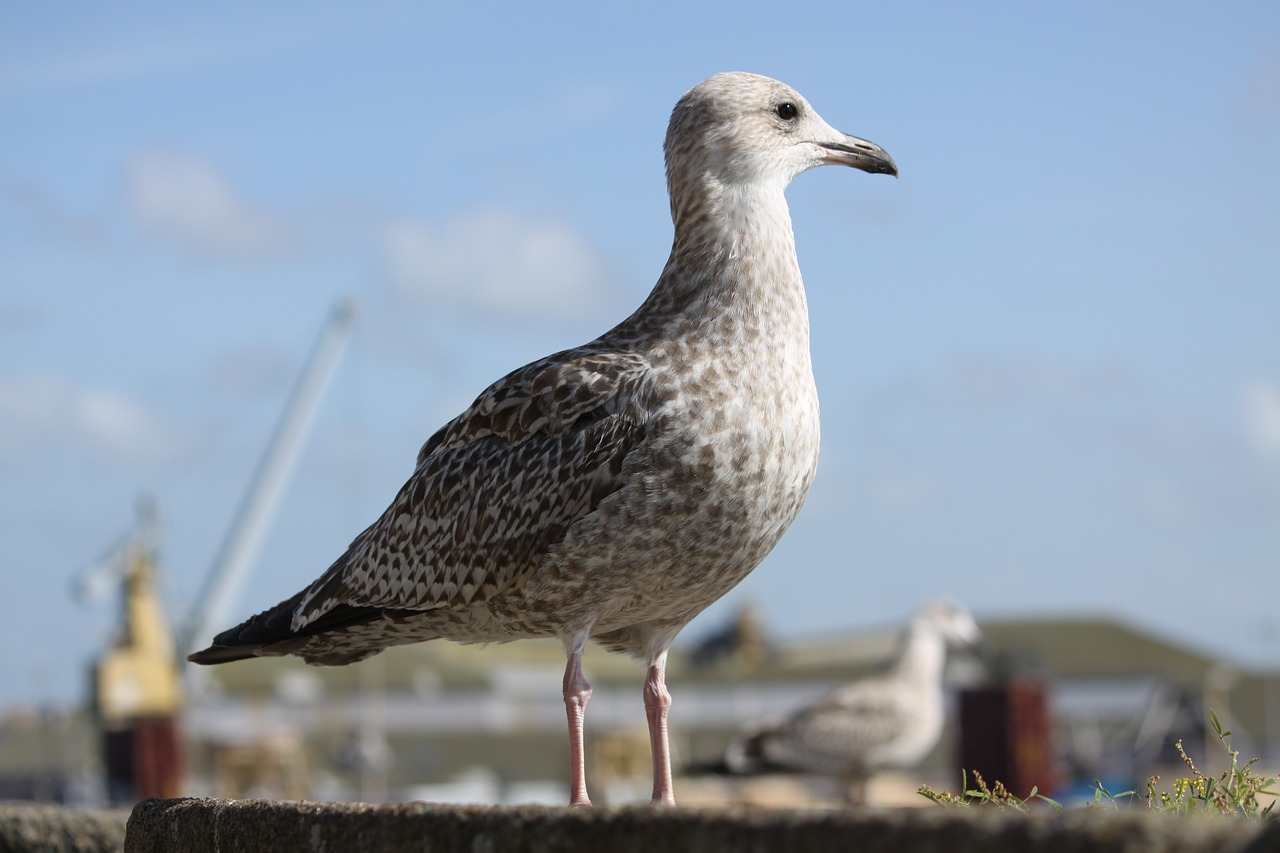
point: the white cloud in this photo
(985, 381)
(67, 60)
(252, 371)
(496, 262)
(1262, 412)
(578, 102)
(21, 318)
(1260, 97)
(37, 74)
(41, 409)
(185, 200)
(1165, 499)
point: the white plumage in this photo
(892, 719)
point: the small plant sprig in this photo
(1234, 793)
(996, 795)
(1101, 796)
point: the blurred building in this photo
(439, 721)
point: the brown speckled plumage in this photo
(615, 490)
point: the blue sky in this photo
(1048, 354)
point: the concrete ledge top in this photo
(229, 826)
(45, 828)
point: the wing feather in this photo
(495, 488)
(836, 734)
(847, 724)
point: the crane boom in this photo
(213, 606)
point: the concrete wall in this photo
(205, 826)
(34, 828)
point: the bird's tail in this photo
(269, 634)
(748, 753)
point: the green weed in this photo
(996, 795)
(1234, 793)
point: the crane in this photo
(137, 687)
(222, 586)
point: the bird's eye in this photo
(786, 111)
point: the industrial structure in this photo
(138, 683)
(136, 692)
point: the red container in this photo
(143, 759)
(1004, 736)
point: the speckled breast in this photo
(726, 465)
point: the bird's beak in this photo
(860, 154)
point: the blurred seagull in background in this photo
(892, 719)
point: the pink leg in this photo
(576, 693)
(657, 701)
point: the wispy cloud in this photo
(901, 489)
(971, 386)
(1259, 102)
(151, 51)
(986, 382)
(118, 63)
(35, 204)
(39, 409)
(252, 371)
(497, 262)
(21, 318)
(1262, 417)
(185, 200)
(580, 102)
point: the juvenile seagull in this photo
(889, 720)
(613, 491)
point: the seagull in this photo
(889, 720)
(613, 491)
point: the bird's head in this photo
(952, 622)
(737, 128)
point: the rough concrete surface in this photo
(40, 828)
(230, 826)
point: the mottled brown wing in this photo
(844, 726)
(495, 488)
(549, 397)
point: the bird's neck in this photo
(921, 656)
(733, 255)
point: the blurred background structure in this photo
(1047, 356)
(441, 722)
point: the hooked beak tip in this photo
(860, 154)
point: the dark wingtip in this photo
(247, 639)
(220, 654)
